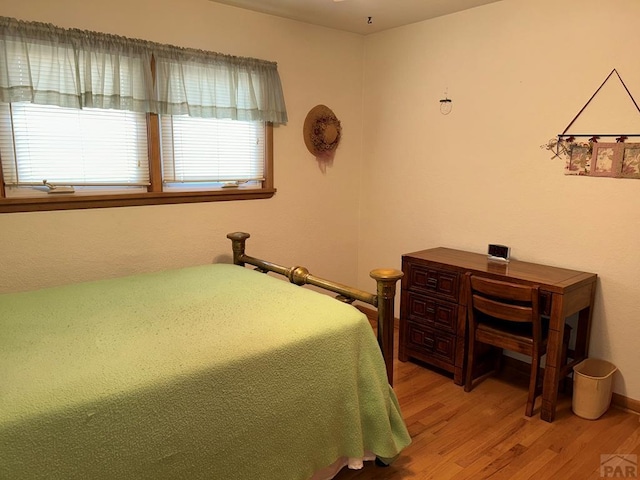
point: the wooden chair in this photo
(507, 316)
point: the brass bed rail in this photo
(386, 280)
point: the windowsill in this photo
(73, 202)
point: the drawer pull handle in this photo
(432, 282)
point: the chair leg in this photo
(498, 361)
(533, 384)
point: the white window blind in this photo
(211, 150)
(72, 147)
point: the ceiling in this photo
(357, 16)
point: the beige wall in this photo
(310, 221)
(517, 71)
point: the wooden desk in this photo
(432, 293)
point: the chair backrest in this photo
(504, 300)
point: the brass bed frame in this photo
(383, 300)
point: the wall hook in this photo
(445, 105)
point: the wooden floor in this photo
(484, 433)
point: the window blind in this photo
(211, 150)
(72, 147)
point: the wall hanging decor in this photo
(592, 154)
(322, 133)
(445, 104)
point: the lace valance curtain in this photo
(45, 64)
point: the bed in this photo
(208, 372)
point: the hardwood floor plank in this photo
(527, 465)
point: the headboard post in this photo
(386, 280)
(238, 240)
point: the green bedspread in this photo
(210, 372)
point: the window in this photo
(211, 151)
(71, 147)
(94, 120)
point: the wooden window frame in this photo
(154, 195)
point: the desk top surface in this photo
(548, 277)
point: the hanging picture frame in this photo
(606, 159)
(631, 161)
(592, 158)
(578, 159)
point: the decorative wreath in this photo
(321, 131)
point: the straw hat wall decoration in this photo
(322, 132)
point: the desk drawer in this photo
(432, 312)
(431, 342)
(430, 280)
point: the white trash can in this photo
(592, 387)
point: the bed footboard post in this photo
(386, 280)
(238, 240)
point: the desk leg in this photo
(553, 365)
(461, 346)
(579, 301)
(583, 334)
